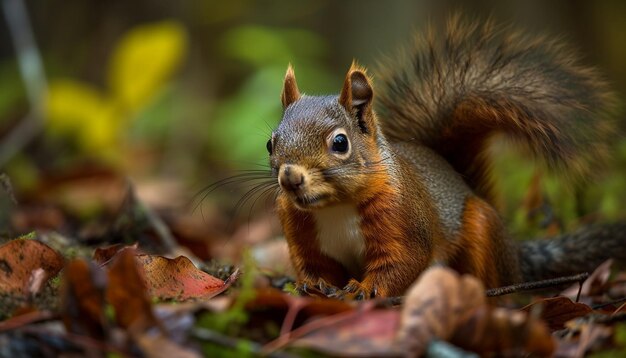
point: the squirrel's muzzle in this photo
(291, 177)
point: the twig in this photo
(527, 286)
(32, 72)
(505, 290)
(580, 290)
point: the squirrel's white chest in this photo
(339, 236)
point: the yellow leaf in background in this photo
(143, 60)
(78, 111)
(71, 105)
(103, 135)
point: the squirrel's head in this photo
(326, 148)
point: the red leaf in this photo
(179, 279)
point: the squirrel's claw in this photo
(321, 288)
(326, 288)
(302, 288)
(356, 290)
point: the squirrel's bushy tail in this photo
(458, 87)
(569, 254)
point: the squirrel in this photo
(369, 199)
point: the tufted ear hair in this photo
(290, 91)
(357, 95)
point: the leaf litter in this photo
(108, 276)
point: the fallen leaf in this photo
(178, 279)
(127, 293)
(369, 333)
(103, 254)
(446, 306)
(558, 310)
(82, 301)
(436, 305)
(594, 285)
(20, 258)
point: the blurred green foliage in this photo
(243, 123)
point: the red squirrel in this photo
(368, 201)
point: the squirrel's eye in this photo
(268, 145)
(340, 143)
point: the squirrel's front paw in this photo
(359, 291)
(316, 288)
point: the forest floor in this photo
(88, 268)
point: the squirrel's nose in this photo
(291, 177)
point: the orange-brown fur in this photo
(480, 247)
(396, 251)
(306, 257)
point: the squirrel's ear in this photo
(356, 96)
(290, 92)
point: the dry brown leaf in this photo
(127, 293)
(443, 305)
(20, 258)
(594, 285)
(83, 299)
(558, 310)
(435, 306)
(103, 254)
(174, 279)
